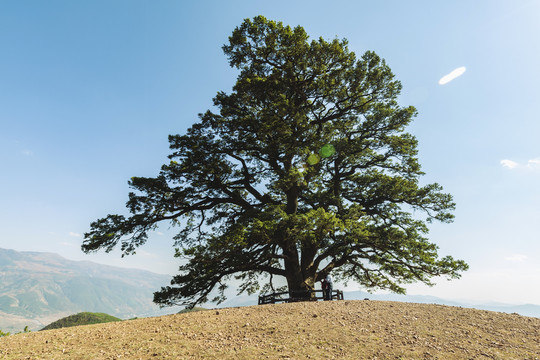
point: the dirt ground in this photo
(311, 330)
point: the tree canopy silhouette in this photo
(305, 169)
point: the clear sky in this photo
(90, 90)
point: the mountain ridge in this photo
(37, 288)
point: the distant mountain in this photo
(37, 288)
(525, 310)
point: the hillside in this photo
(313, 330)
(39, 288)
(84, 318)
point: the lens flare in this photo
(313, 159)
(327, 151)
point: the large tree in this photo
(304, 169)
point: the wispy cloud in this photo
(531, 164)
(27, 153)
(516, 258)
(509, 163)
(147, 254)
(452, 75)
(74, 234)
(64, 243)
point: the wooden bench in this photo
(286, 297)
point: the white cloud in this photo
(533, 164)
(74, 234)
(452, 75)
(68, 244)
(27, 152)
(147, 254)
(509, 163)
(516, 258)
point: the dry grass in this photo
(323, 330)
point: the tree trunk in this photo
(300, 287)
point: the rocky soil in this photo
(313, 330)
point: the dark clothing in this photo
(324, 286)
(328, 290)
(329, 285)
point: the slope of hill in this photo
(84, 318)
(310, 330)
(524, 309)
(38, 288)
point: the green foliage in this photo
(306, 169)
(84, 318)
(26, 330)
(193, 309)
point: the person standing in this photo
(323, 287)
(329, 285)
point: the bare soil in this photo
(310, 330)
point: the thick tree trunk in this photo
(299, 289)
(300, 284)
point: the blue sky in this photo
(90, 90)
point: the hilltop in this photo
(83, 318)
(310, 330)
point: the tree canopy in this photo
(305, 168)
